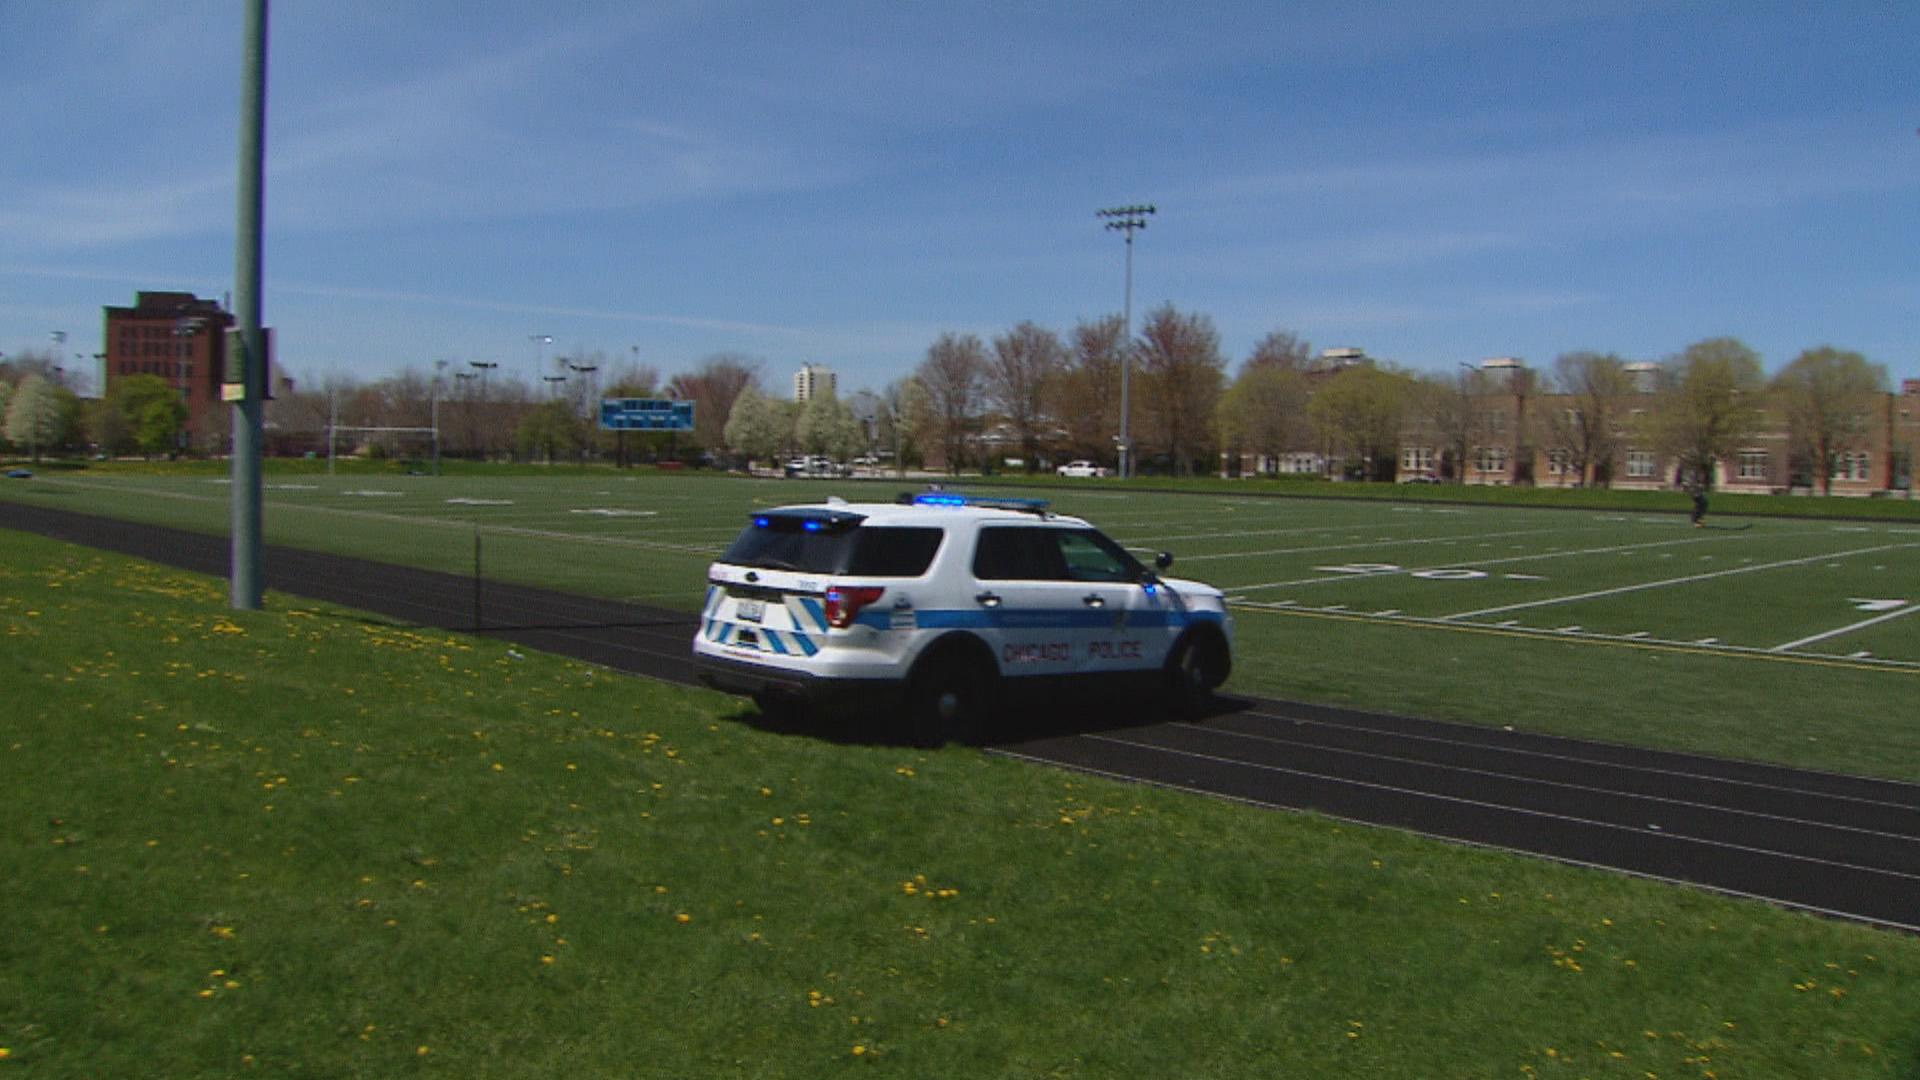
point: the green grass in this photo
(306, 842)
(1636, 671)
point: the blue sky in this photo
(839, 183)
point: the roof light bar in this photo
(995, 502)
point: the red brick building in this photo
(180, 338)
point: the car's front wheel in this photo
(1198, 665)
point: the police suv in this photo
(950, 605)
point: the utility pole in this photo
(245, 589)
(1126, 220)
(483, 366)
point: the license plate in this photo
(751, 610)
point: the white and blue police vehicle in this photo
(949, 606)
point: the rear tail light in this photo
(844, 603)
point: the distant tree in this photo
(758, 429)
(150, 411)
(1182, 375)
(106, 426)
(1827, 393)
(904, 421)
(1282, 349)
(1264, 412)
(1591, 422)
(1026, 363)
(1708, 405)
(34, 419)
(1086, 397)
(1359, 413)
(1449, 408)
(951, 377)
(548, 432)
(712, 387)
(826, 426)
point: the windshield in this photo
(823, 546)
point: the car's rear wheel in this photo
(949, 698)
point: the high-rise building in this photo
(814, 379)
(179, 338)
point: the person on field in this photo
(1699, 492)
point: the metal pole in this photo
(244, 593)
(1126, 220)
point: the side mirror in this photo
(1163, 560)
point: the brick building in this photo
(181, 339)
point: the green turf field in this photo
(305, 842)
(1790, 640)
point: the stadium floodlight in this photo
(1126, 220)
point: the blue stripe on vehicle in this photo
(806, 644)
(815, 611)
(773, 641)
(1056, 619)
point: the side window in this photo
(1014, 553)
(1087, 559)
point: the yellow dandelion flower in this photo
(859, 1049)
(682, 917)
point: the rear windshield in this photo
(785, 543)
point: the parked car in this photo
(1081, 468)
(942, 608)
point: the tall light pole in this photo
(484, 366)
(540, 343)
(439, 372)
(1126, 220)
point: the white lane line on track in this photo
(1570, 759)
(1564, 860)
(1666, 582)
(1638, 830)
(1861, 625)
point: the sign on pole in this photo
(645, 414)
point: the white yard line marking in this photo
(1356, 542)
(1666, 582)
(1861, 625)
(1638, 638)
(1624, 549)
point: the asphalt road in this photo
(1842, 846)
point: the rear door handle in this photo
(988, 599)
(1094, 600)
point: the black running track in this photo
(1838, 845)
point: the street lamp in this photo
(1126, 220)
(540, 343)
(483, 366)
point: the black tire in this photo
(950, 698)
(1198, 665)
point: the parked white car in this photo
(952, 607)
(1081, 468)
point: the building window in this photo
(1490, 459)
(1640, 464)
(1851, 465)
(1557, 463)
(1753, 465)
(1416, 459)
